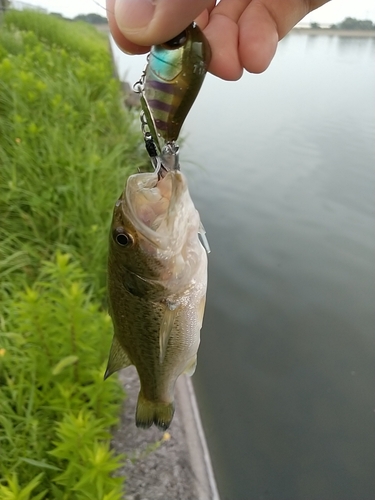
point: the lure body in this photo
(173, 78)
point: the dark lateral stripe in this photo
(162, 106)
(164, 87)
(161, 125)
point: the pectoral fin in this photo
(166, 327)
(191, 366)
(203, 237)
(117, 358)
(201, 311)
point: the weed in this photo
(55, 408)
(66, 146)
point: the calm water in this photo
(281, 167)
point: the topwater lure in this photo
(157, 267)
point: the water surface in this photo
(281, 167)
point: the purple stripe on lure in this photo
(162, 106)
(164, 87)
(161, 125)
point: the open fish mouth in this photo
(159, 209)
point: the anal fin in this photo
(118, 358)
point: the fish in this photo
(173, 77)
(157, 281)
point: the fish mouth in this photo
(158, 208)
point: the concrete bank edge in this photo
(197, 445)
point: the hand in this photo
(243, 34)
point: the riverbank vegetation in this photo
(66, 146)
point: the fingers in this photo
(265, 22)
(125, 15)
(258, 37)
(204, 17)
(124, 44)
(225, 61)
(147, 22)
(241, 33)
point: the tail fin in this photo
(153, 412)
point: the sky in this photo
(333, 12)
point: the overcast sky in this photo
(332, 12)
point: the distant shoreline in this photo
(335, 32)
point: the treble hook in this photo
(156, 162)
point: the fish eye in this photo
(121, 238)
(177, 41)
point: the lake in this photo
(281, 168)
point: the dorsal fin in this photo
(117, 358)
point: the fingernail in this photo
(133, 15)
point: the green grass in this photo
(66, 148)
(77, 38)
(66, 145)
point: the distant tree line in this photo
(355, 24)
(91, 18)
(349, 24)
(87, 18)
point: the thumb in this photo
(150, 22)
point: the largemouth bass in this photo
(157, 279)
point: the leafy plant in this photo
(14, 492)
(55, 408)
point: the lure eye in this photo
(177, 41)
(121, 238)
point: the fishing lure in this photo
(171, 82)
